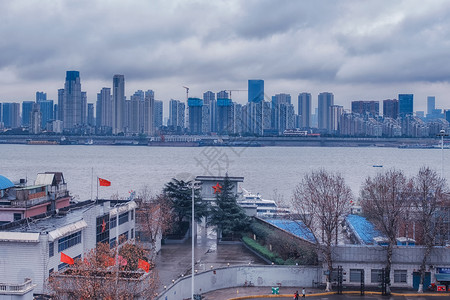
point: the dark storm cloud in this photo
(369, 42)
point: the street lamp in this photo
(442, 134)
(193, 186)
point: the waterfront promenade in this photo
(174, 260)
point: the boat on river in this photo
(264, 208)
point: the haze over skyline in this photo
(371, 50)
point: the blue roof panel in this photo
(5, 183)
(295, 227)
(363, 228)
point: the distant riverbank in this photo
(214, 140)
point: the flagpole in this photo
(97, 191)
(92, 180)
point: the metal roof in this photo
(44, 179)
(66, 230)
(8, 236)
(5, 183)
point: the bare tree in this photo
(154, 217)
(385, 201)
(321, 202)
(429, 195)
(100, 275)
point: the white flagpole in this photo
(92, 181)
(97, 189)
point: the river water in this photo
(271, 171)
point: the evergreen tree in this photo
(228, 217)
(180, 194)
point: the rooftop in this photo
(364, 230)
(5, 183)
(295, 227)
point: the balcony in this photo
(17, 289)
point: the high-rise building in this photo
(208, 97)
(71, 101)
(225, 120)
(27, 107)
(222, 95)
(90, 115)
(11, 115)
(390, 108)
(366, 107)
(336, 112)
(41, 96)
(405, 104)
(149, 106)
(176, 115)
(135, 113)
(304, 109)
(104, 109)
(256, 90)
(325, 101)
(282, 116)
(35, 119)
(210, 104)
(195, 106)
(281, 99)
(118, 102)
(47, 114)
(431, 104)
(158, 115)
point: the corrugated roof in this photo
(5, 183)
(66, 230)
(25, 237)
(44, 179)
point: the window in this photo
(112, 243)
(69, 241)
(355, 275)
(50, 271)
(102, 229)
(17, 217)
(132, 215)
(123, 237)
(132, 233)
(400, 276)
(113, 222)
(375, 275)
(51, 249)
(123, 218)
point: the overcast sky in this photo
(359, 50)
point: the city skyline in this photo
(356, 50)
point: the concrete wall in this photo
(236, 276)
(406, 258)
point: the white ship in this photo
(264, 208)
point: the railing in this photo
(31, 202)
(8, 288)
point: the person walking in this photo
(303, 293)
(296, 295)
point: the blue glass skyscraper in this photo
(255, 90)
(405, 104)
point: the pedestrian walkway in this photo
(174, 260)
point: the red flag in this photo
(122, 261)
(66, 259)
(110, 261)
(104, 182)
(142, 264)
(103, 226)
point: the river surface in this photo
(272, 171)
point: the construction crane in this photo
(234, 91)
(187, 92)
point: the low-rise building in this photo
(31, 248)
(48, 193)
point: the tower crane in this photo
(235, 91)
(187, 92)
